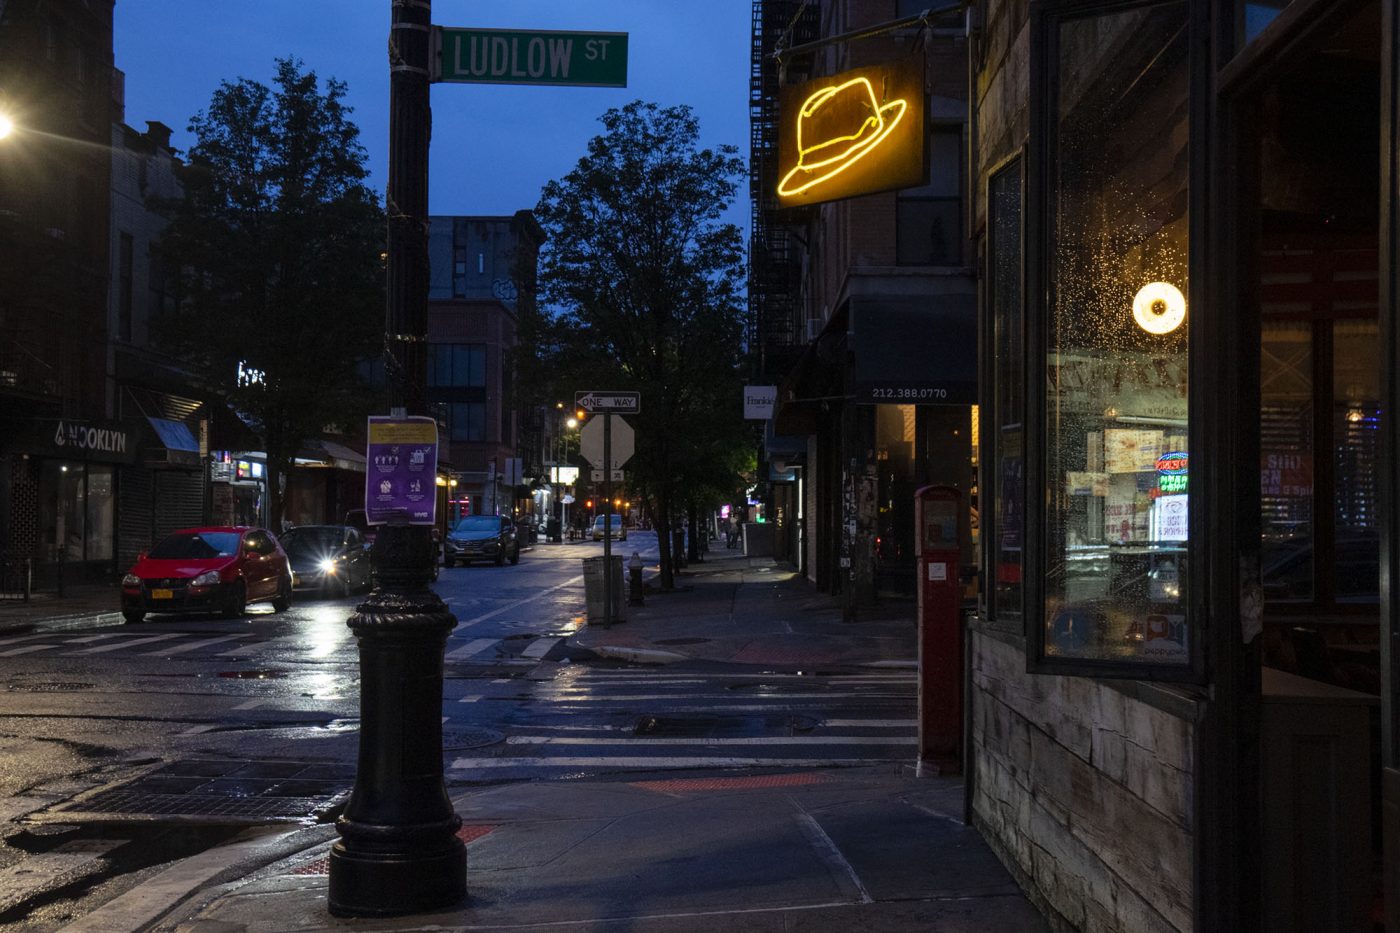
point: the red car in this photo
(209, 570)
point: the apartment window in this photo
(928, 219)
(466, 421)
(1107, 574)
(159, 300)
(125, 250)
(457, 365)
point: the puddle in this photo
(253, 675)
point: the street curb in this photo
(158, 895)
(638, 655)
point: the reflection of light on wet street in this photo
(322, 685)
(325, 629)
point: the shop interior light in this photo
(1159, 307)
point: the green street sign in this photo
(540, 56)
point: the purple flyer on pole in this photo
(401, 473)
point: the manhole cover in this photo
(54, 687)
(681, 641)
(216, 790)
(469, 738)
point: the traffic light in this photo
(580, 415)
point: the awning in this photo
(914, 350)
(329, 455)
(177, 445)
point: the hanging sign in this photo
(853, 133)
(401, 470)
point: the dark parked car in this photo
(329, 558)
(481, 537)
(208, 570)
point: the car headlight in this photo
(131, 579)
(328, 565)
(208, 578)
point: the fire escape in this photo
(775, 318)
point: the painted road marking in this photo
(254, 647)
(25, 650)
(871, 723)
(660, 762)
(585, 697)
(574, 581)
(475, 646)
(191, 646)
(127, 644)
(91, 638)
(745, 740)
(539, 647)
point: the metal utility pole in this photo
(398, 851)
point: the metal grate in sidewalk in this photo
(217, 790)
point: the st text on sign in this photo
(512, 56)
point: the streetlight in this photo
(7, 125)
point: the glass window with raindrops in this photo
(1118, 467)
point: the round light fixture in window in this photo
(1159, 307)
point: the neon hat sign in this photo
(853, 133)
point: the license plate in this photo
(162, 594)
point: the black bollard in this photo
(398, 851)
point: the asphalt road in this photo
(124, 746)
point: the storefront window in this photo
(1008, 458)
(1117, 460)
(77, 511)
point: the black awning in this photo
(915, 350)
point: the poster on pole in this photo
(401, 470)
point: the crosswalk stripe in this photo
(25, 650)
(113, 646)
(733, 740)
(659, 762)
(871, 723)
(539, 647)
(91, 638)
(256, 646)
(191, 646)
(475, 646)
(520, 602)
(588, 697)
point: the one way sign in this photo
(621, 402)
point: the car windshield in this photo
(311, 540)
(614, 520)
(201, 546)
(477, 523)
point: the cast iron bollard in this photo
(398, 851)
(634, 570)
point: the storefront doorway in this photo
(1306, 126)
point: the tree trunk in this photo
(662, 523)
(692, 551)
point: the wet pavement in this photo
(733, 756)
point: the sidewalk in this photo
(812, 849)
(78, 600)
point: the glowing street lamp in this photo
(7, 125)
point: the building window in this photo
(466, 421)
(125, 253)
(159, 302)
(928, 219)
(457, 365)
(1109, 578)
(1008, 467)
(78, 505)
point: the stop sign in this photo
(624, 442)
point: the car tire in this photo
(515, 556)
(237, 605)
(132, 617)
(283, 600)
(500, 558)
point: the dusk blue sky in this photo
(494, 146)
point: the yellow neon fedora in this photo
(833, 117)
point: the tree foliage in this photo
(278, 245)
(644, 279)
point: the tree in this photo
(644, 280)
(278, 247)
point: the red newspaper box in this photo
(939, 522)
